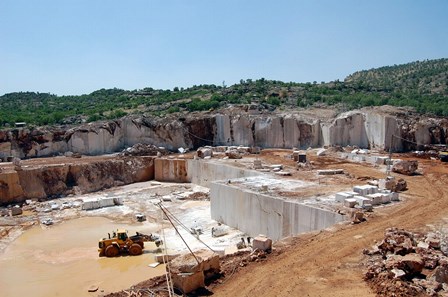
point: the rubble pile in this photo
(140, 149)
(407, 167)
(425, 154)
(408, 264)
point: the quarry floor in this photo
(329, 262)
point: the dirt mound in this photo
(408, 264)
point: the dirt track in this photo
(328, 263)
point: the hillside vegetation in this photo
(422, 85)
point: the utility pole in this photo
(389, 161)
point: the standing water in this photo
(63, 261)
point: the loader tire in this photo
(111, 251)
(135, 249)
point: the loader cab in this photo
(122, 235)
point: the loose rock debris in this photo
(229, 265)
(144, 150)
(408, 264)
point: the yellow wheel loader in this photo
(120, 243)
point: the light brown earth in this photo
(328, 263)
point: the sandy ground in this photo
(328, 263)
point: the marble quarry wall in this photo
(204, 172)
(171, 170)
(363, 128)
(255, 213)
(47, 181)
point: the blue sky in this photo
(69, 47)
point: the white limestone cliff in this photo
(367, 128)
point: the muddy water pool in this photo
(62, 260)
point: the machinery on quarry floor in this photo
(120, 242)
(443, 156)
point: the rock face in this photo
(366, 128)
(56, 180)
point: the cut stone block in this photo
(359, 158)
(188, 282)
(362, 200)
(276, 166)
(262, 243)
(376, 198)
(381, 160)
(365, 190)
(257, 164)
(219, 231)
(350, 202)
(210, 260)
(386, 197)
(371, 159)
(395, 196)
(254, 150)
(330, 171)
(360, 190)
(118, 200)
(186, 263)
(341, 196)
(283, 173)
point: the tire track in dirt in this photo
(328, 263)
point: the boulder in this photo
(204, 152)
(407, 167)
(412, 263)
(387, 183)
(16, 210)
(262, 243)
(401, 185)
(233, 154)
(440, 274)
(357, 217)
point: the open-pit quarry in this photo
(320, 206)
(278, 200)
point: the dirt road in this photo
(328, 263)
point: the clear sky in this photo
(69, 47)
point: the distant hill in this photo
(422, 85)
(425, 78)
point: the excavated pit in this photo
(248, 200)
